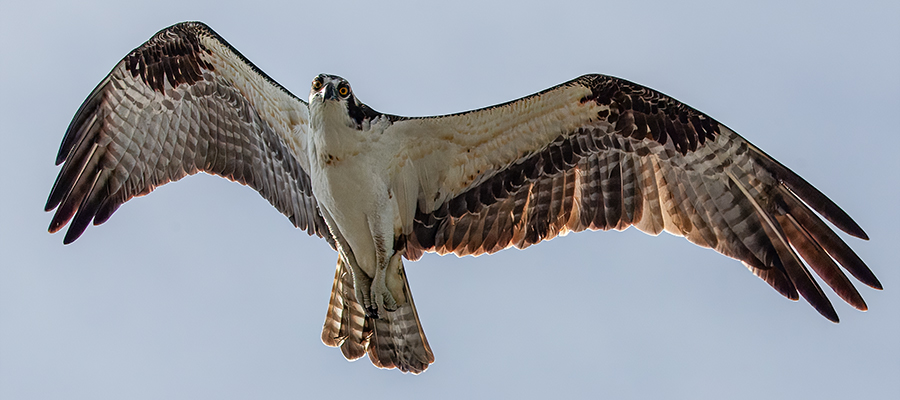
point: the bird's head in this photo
(331, 94)
(330, 88)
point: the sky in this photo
(203, 290)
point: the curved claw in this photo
(381, 297)
(384, 292)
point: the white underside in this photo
(350, 173)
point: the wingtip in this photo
(812, 196)
(56, 224)
(874, 283)
(824, 307)
(73, 234)
(853, 229)
(68, 240)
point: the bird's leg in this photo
(387, 287)
(375, 295)
(381, 295)
(361, 281)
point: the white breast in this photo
(353, 175)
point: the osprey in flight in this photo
(596, 152)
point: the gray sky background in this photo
(203, 290)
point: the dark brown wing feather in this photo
(167, 111)
(650, 161)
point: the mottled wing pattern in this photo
(603, 153)
(394, 341)
(183, 102)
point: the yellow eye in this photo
(344, 90)
(317, 84)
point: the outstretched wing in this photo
(603, 153)
(183, 102)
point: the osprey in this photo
(596, 152)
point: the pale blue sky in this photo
(202, 290)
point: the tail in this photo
(393, 341)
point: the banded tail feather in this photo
(395, 340)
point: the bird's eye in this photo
(344, 90)
(317, 84)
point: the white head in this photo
(332, 98)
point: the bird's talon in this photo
(381, 297)
(389, 303)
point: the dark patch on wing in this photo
(173, 55)
(640, 112)
(176, 54)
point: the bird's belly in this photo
(356, 198)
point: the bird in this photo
(594, 153)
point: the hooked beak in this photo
(329, 92)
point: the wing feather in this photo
(603, 153)
(787, 257)
(183, 102)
